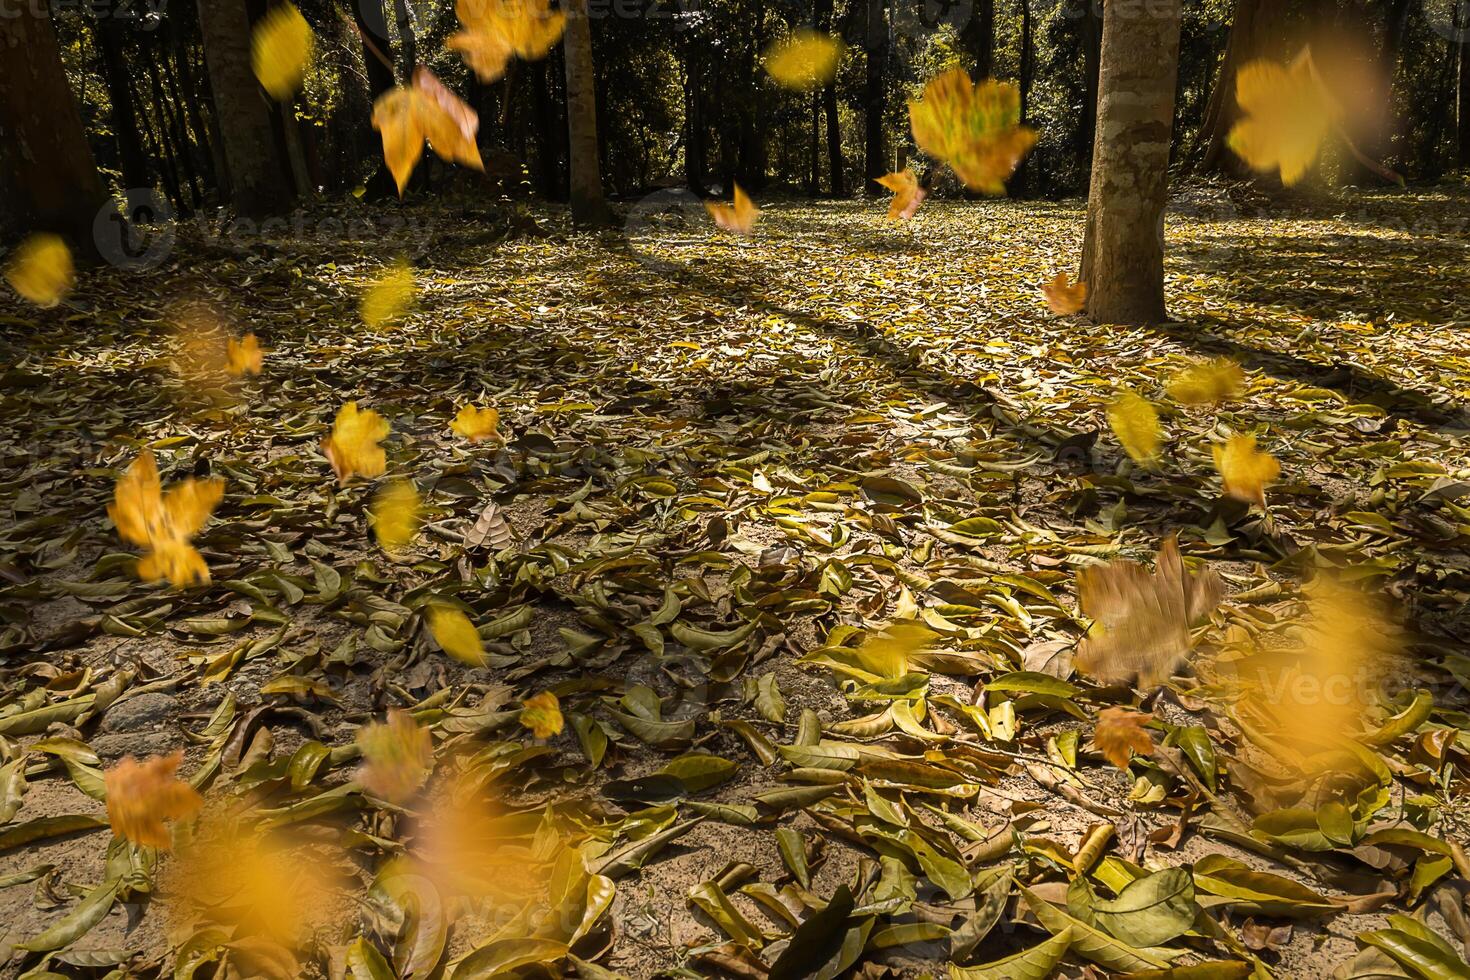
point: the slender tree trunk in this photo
(108, 35)
(407, 44)
(172, 120)
(548, 159)
(1092, 22)
(696, 157)
(836, 168)
(190, 138)
(589, 207)
(256, 186)
(181, 79)
(51, 178)
(377, 59)
(814, 151)
(1123, 253)
(1462, 111)
(875, 97)
(977, 37)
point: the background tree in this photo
(589, 206)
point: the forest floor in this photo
(725, 458)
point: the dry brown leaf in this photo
(143, 796)
(1063, 297)
(1120, 735)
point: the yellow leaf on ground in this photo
(976, 129)
(389, 296)
(396, 515)
(244, 356)
(739, 218)
(1245, 470)
(804, 60)
(1136, 424)
(280, 50)
(477, 424)
(397, 756)
(456, 635)
(1207, 383)
(1063, 297)
(1141, 620)
(889, 653)
(907, 194)
(142, 796)
(406, 116)
(542, 715)
(1120, 735)
(164, 523)
(497, 30)
(353, 448)
(1287, 113)
(41, 270)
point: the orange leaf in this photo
(739, 218)
(1063, 297)
(353, 448)
(164, 524)
(142, 795)
(976, 129)
(426, 110)
(497, 30)
(1120, 735)
(1245, 470)
(907, 194)
(477, 424)
(542, 715)
(244, 356)
(397, 756)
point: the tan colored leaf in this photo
(1063, 297)
(907, 194)
(542, 715)
(397, 756)
(1120, 735)
(739, 218)
(143, 796)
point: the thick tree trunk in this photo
(50, 179)
(977, 38)
(256, 185)
(1123, 253)
(107, 34)
(875, 97)
(377, 61)
(589, 207)
(822, 19)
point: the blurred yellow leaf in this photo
(244, 356)
(406, 116)
(907, 194)
(41, 270)
(396, 515)
(1287, 115)
(353, 448)
(1141, 620)
(1063, 297)
(1210, 382)
(280, 50)
(1245, 470)
(739, 217)
(141, 796)
(804, 60)
(1120, 735)
(164, 524)
(456, 635)
(477, 424)
(888, 654)
(976, 129)
(542, 715)
(1136, 424)
(397, 756)
(497, 30)
(389, 296)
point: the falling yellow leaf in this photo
(396, 515)
(1245, 470)
(41, 270)
(280, 50)
(1211, 382)
(805, 60)
(141, 796)
(1136, 424)
(389, 296)
(976, 129)
(406, 116)
(164, 524)
(497, 30)
(739, 217)
(1287, 115)
(456, 635)
(397, 756)
(1141, 620)
(1063, 297)
(542, 715)
(907, 194)
(353, 448)
(477, 424)
(1120, 735)
(888, 654)
(244, 356)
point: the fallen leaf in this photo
(477, 424)
(353, 448)
(1063, 297)
(142, 796)
(889, 653)
(1120, 735)
(397, 756)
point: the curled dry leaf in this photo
(280, 50)
(542, 715)
(976, 129)
(41, 270)
(1245, 470)
(244, 356)
(1136, 424)
(907, 194)
(396, 514)
(739, 217)
(143, 796)
(397, 756)
(805, 60)
(426, 110)
(477, 424)
(353, 448)
(456, 635)
(1120, 735)
(1141, 619)
(495, 31)
(1212, 382)
(164, 523)
(1063, 297)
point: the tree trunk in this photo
(977, 37)
(696, 156)
(1123, 253)
(107, 34)
(875, 97)
(1092, 22)
(256, 185)
(837, 182)
(407, 45)
(1255, 32)
(51, 178)
(377, 60)
(1462, 102)
(589, 207)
